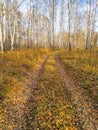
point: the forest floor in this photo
(87, 115)
(48, 100)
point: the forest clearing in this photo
(49, 90)
(48, 64)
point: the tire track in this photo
(53, 110)
(16, 107)
(86, 114)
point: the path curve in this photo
(87, 115)
(16, 108)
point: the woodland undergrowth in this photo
(54, 110)
(16, 67)
(83, 65)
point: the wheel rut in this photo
(46, 94)
(52, 109)
(86, 114)
(17, 105)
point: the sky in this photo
(83, 5)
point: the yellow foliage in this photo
(15, 66)
(83, 65)
(53, 107)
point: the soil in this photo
(17, 104)
(15, 114)
(87, 115)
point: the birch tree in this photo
(3, 25)
(62, 24)
(69, 23)
(13, 19)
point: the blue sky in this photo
(83, 4)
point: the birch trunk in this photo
(1, 36)
(3, 27)
(69, 25)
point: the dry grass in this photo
(83, 65)
(54, 111)
(16, 66)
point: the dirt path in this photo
(87, 115)
(16, 106)
(43, 104)
(53, 109)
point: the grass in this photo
(54, 110)
(16, 66)
(84, 67)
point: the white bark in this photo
(1, 41)
(69, 23)
(3, 25)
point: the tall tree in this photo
(3, 25)
(69, 23)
